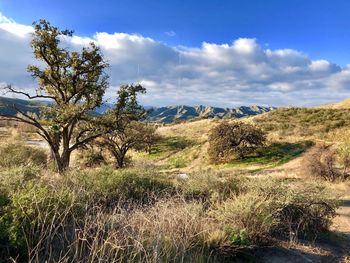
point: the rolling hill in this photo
(345, 104)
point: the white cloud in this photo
(12, 27)
(242, 72)
(320, 65)
(170, 33)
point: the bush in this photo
(39, 214)
(4, 235)
(320, 161)
(17, 154)
(91, 158)
(209, 187)
(267, 209)
(343, 153)
(120, 187)
(233, 140)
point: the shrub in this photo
(91, 158)
(39, 214)
(251, 212)
(17, 154)
(209, 187)
(267, 209)
(343, 153)
(307, 212)
(120, 187)
(319, 162)
(4, 235)
(233, 140)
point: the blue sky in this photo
(271, 52)
(320, 28)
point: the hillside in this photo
(345, 104)
(7, 105)
(180, 113)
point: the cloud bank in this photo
(226, 75)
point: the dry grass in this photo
(141, 216)
(196, 130)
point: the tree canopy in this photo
(233, 140)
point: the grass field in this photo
(173, 205)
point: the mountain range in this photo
(167, 114)
(179, 113)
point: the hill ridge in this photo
(165, 114)
(169, 114)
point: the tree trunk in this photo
(120, 159)
(62, 161)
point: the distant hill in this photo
(6, 105)
(179, 113)
(345, 104)
(161, 114)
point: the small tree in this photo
(123, 127)
(233, 140)
(135, 136)
(74, 82)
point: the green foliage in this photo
(230, 141)
(124, 129)
(112, 187)
(177, 162)
(268, 208)
(238, 238)
(18, 154)
(4, 235)
(36, 207)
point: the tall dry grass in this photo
(104, 215)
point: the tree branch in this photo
(12, 90)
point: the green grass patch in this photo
(271, 156)
(184, 157)
(168, 145)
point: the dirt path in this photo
(342, 222)
(336, 247)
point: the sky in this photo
(221, 53)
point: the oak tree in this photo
(233, 141)
(74, 84)
(124, 129)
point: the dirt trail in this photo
(340, 252)
(341, 223)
